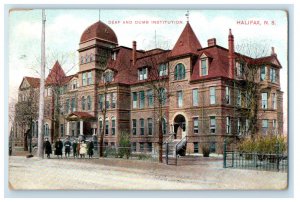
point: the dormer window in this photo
(272, 75)
(204, 69)
(108, 76)
(143, 74)
(74, 84)
(263, 72)
(163, 70)
(239, 69)
(114, 56)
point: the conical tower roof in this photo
(56, 74)
(187, 42)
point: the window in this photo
(143, 74)
(239, 125)
(114, 56)
(150, 126)
(228, 125)
(196, 147)
(83, 103)
(239, 98)
(274, 101)
(100, 101)
(164, 126)
(113, 100)
(134, 100)
(62, 129)
(179, 73)
(73, 105)
(272, 75)
(46, 130)
(163, 70)
(162, 97)
(133, 126)
(212, 147)
(274, 123)
(82, 60)
(89, 103)
(74, 84)
(133, 146)
(141, 146)
(84, 79)
(265, 126)
(106, 126)
(142, 99)
(113, 126)
(212, 92)
(142, 129)
(107, 101)
(227, 95)
(179, 98)
(89, 79)
(150, 98)
(263, 72)
(204, 71)
(149, 146)
(67, 105)
(196, 124)
(195, 97)
(212, 124)
(239, 69)
(264, 100)
(108, 76)
(100, 125)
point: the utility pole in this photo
(42, 92)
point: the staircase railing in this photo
(176, 147)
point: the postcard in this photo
(114, 99)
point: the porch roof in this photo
(77, 116)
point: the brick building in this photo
(203, 93)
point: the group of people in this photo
(80, 149)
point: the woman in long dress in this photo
(83, 149)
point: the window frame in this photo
(195, 95)
(212, 95)
(196, 127)
(212, 128)
(179, 72)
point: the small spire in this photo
(230, 32)
(187, 15)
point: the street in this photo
(121, 174)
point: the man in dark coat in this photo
(74, 146)
(90, 149)
(58, 148)
(48, 148)
(67, 147)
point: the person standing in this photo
(48, 148)
(67, 147)
(58, 148)
(74, 147)
(83, 149)
(90, 149)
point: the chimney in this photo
(211, 42)
(133, 52)
(231, 54)
(273, 51)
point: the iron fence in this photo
(254, 160)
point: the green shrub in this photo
(124, 145)
(205, 150)
(263, 144)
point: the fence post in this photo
(167, 154)
(224, 154)
(277, 155)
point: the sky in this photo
(65, 26)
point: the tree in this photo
(247, 81)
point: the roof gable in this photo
(56, 74)
(187, 42)
(29, 82)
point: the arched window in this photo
(83, 103)
(46, 130)
(179, 72)
(100, 125)
(89, 103)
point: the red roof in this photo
(272, 59)
(80, 115)
(99, 30)
(33, 82)
(187, 42)
(56, 75)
